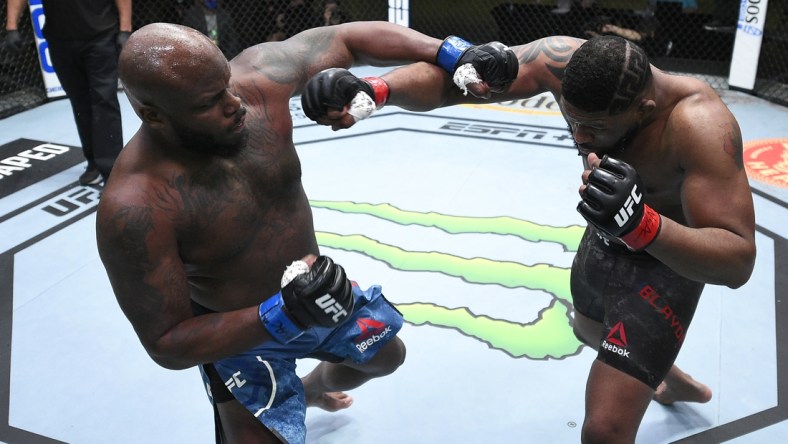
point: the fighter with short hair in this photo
(664, 192)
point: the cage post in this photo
(399, 12)
(747, 46)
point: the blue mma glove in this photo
(493, 63)
(321, 295)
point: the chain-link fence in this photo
(689, 36)
(21, 84)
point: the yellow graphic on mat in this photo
(543, 104)
(549, 336)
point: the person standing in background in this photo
(299, 16)
(333, 13)
(209, 18)
(724, 17)
(85, 38)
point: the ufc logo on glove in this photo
(626, 211)
(330, 305)
(320, 295)
(632, 221)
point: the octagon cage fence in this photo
(686, 36)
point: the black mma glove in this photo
(317, 296)
(122, 38)
(334, 88)
(13, 41)
(613, 202)
(495, 63)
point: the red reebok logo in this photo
(617, 335)
(368, 328)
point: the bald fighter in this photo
(207, 236)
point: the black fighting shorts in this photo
(644, 306)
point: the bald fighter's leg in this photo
(239, 426)
(324, 385)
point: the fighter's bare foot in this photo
(331, 401)
(684, 389)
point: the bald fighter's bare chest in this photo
(244, 205)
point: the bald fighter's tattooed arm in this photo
(138, 246)
(294, 61)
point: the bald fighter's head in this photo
(161, 59)
(178, 82)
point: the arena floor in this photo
(466, 217)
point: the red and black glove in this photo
(613, 201)
(334, 88)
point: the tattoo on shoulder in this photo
(732, 143)
(274, 66)
(277, 62)
(557, 49)
(126, 232)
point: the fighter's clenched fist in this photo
(613, 201)
(335, 88)
(492, 63)
(316, 296)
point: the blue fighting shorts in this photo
(264, 378)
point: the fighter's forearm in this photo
(424, 86)
(13, 10)
(124, 14)
(207, 338)
(419, 87)
(711, 255)
(387, 44)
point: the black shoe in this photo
(91, 176)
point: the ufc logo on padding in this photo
(626, 211)
(329, 305)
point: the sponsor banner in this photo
(51, 82)
(542, 105)
(24, 162)
(766, 160)
(747, 46)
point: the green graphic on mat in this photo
(569, 236)
(550, 336)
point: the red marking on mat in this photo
(766, 160)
